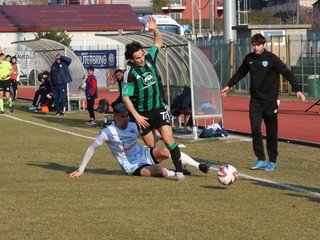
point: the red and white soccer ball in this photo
(227, 174)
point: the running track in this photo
(294, 123)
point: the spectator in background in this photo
(8, 58)
(59, 78)
(14, 77)
(5, 83)
(91, 91)
(43, 94)
(119, 78)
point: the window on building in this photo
(220, 3)
(54, 2)
(278, 35)
(64, 2)
(92, 2)
(176, 15)
(175, 2)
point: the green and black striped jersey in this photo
(142, 85)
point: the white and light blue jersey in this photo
(125, 147)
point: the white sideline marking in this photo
(86, 130)
(242, 175)
(53, 128)
(297, 189)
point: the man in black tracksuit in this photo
(264, 68)
(59, 78)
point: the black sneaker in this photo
(57, 114)
(1, 112)
(186, 172)
(204, 167)
(11, 109)
(62, 114)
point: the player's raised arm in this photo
(152, 24)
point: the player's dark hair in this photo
(258, 39)
(46, 73)
(131, 48)
(90, 68)
(118, 70)
(14, 57)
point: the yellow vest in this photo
(5, 68)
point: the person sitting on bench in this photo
(43, 95)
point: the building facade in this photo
(183, 9)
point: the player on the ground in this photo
(121, 137)
(142, 94)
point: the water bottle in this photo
(109, 119)
(105, 122)
(194, 131)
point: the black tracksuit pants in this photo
(268, 112)
(90, 105)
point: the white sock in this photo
(170, 173)
(186, 160)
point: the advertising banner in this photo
(98, 59)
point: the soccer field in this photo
(39, 201)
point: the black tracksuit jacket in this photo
(264, 74)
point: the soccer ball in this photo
(227, 174)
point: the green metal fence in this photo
(304, 59)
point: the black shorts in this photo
(137, 172)
(157, 118)
(5, 85)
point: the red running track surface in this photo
(294, 123)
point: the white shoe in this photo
(32, 108)
(180, 177)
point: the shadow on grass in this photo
(50, 118)
(215, 164)
(312, 199)
(291, 187)
(65, 121)
(214, 187)
(68, 169)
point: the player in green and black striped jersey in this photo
(144, 81)
(143, 95)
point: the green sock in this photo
(10, 101)
(1, 105)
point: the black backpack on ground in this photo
(103, 106)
